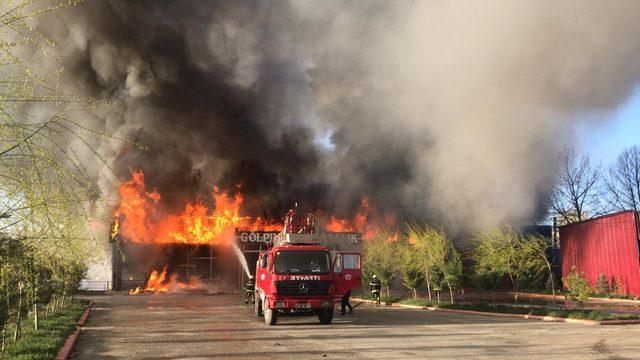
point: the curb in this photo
(507, 315)
(65, 350)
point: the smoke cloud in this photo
(447, 111)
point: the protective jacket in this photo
(375, 285)
(251, 285)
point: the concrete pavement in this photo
(220, 326)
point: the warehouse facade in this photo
(607, 245)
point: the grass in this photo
(591, 315)
(383, 298)
(561, 293)
(614, 296)
(45, 342)
(417, 302)
(542, 311)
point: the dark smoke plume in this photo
(450, 111)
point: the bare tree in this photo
(577, 195)
(623, 184)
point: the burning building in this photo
(198, 247)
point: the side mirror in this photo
(263, 261)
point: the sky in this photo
(605, 141)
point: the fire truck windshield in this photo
(302, 262)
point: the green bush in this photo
(380, 258)
(410, 267)
(439, 258)
(602, 285)
(578, 289)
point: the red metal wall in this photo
(604, 245)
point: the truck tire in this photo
(270, 316)
(257, 305)
(325, 316)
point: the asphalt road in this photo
(220, 326)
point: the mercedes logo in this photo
(303, 287)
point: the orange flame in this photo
(142, 220)
(362, 222)
(135, 292)
(159, 284)
(156, 282)
(114, 229)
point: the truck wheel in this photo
(325, 316)
(270, 316)
(257, 305)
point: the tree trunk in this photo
(4, 339)
(514, 284)
(16, 333)
(35, 315)
(415, 293)
(5, 325)
(553, 285)
(428, 284)
(464, 300)
(388, 293)
(438, 295)
(531, 298)
(494, 298)
(35, 307)
(450, 291)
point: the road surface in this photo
(220, 326)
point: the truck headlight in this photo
(280, 304)
(325, 304)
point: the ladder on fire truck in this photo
(300, 229)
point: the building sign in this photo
(267, 236)
(255, 236)
(340, 237)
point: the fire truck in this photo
(297, 274)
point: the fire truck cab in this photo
(297, 275)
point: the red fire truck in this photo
(298, 275)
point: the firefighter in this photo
(375, 288)
(250, 290)
(344, 303)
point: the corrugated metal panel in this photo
(605, 245)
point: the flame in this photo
(362, 222)
(159, 284)
(155, 284)
(143, 221)
(114, 229)
(357, 224)
(135, 292)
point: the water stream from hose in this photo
(241, 258)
